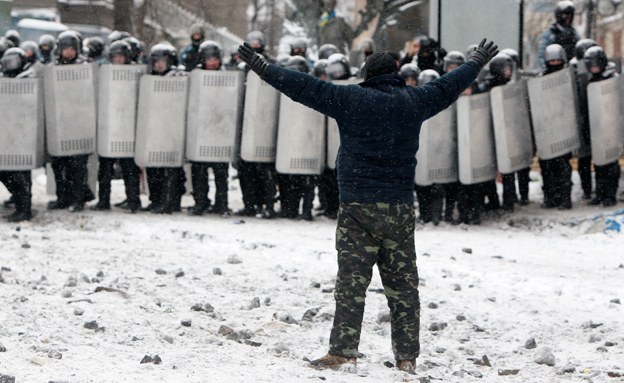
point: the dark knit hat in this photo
(378, 64)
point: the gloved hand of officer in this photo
(254, 60)
(484, 53)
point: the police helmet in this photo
(583, 45)
(555, 52)
(68, 39)
(327, 50)
(594, 57)
(282, 59)
(367, 45)
(95, 46)
(47, 41)
(234, 50)
(118, 35)
(320, 68)
(298, 47)
(426, 76)
(135, 48)
(4, 45)
(13, 62)
(564, 8)
(33, 48)
(500, 64)
(513, 54)
(256, 38)
(410, 70)
(338, 67)
(121, 48)
(13, 36)
(470, 50)
(197, 30)
(166, 52)
(453, 58)
(297, 63)
(209, 49)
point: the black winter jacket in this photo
(379, 122)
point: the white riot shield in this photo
(260, 120)
(215, 100)
(161, 121)
(300, 139)
(512, 127)
(475, 139)
(21, 130)
(333, 134)
(554, 111)
(436, 159)
(606, 120)
(70, 109)
(117, 105)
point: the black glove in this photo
(254, 60)
(484, 53)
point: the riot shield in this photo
(21, 131)
(333, 134)
(260, 121)
(300, 139)
(606, 120)
(161, 121)
(436, 159)
(70, 109)
(475, 139)
(512, 127)
(117, 105)
(554, 111)
(215, 100)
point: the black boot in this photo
(19, 216)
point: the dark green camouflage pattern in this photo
(382, 234)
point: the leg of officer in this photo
(221, 174)
(132, 180)
(199, 178)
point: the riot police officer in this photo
(135, 49)
(166, 184)
(327, 50)
(556, 172)
(19, 183)
(607, 176)
(210, 59)
(119, 54)
(13, 36)
(95, 50)
(234, 60)
(189, 56)
(47, 45)
(410, 73)
(367, 46)
(31, 49)
(70, 172)
(561, 32)
(118, 35)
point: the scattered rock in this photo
(594, 338)
(475, 374)
(54, 354)
(461, 317)
(217, 271)
(252, 343)
(234, 259)
(310, 314)
(467, 250)
(255, 303)
(284, 317)
(530, 344)
(484, 361)
(95, 280)
(157, 359)
(458, 374)
(612, 374)
(100, 274)
(7, 378)
(545, 356)
(241, 335)
(71, 281)
(100, 329)
(179, 274)
(508, 372)
(78, 311)
(567, 370)
(610, 344)
(225, 330)
(478, 328)
(440, 350)
(85, 278)
(2, 348)
(602, 349)
(25, 245)
(206, 307)
(492, 299)
(279, 349)
(146, 359)
(315, 285)
(267, 301)
(161, 271)
(186, 322)
(591, 324)
(388, 364)
(168, 339)
(383, 317)
(438, 326)
(23, 299)
(91, 325)
(456, 287)
(40, 361)
(328, 290)
(66, 294)
(433, 305)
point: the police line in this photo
(163, 121)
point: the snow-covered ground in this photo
(532, 274)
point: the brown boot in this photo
(407, 366)
(332, 361)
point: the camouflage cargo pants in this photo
(382, 234)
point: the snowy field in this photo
(546, 275)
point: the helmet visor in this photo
(11, 63)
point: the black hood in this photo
(378, 64)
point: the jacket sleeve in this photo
(547, 38)
(441, 93)
(320, 95)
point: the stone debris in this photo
(545, 356)
(179, 274)
(255, 303)
(438, 326)
(310, 314)
(234, 259)
(467, 250)
(40, 361)
(225, 330)
(54, 354)
(91, 325)
(508, 372)
(383, 317)
(204, 307)
(2, 348)
(530, 344)
(4, 378)
(168, 339)
(161, 271)
(78, 311)
(217, 271)
(186, 323)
